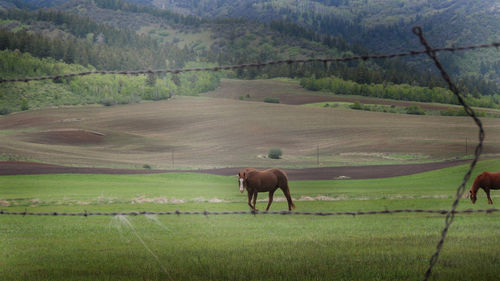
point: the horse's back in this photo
(266, 179)
(243, 173)
(490, 179)
(277, 172)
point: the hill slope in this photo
(382, 26)
(198, 132)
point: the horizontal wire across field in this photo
(207, 213)
(248, 65)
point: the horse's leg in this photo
(255, 200)
(286, 191)
(250, 194)
(487, 190)
(271, 193)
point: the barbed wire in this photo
(208, 213)
(417, 30)
(248, 65)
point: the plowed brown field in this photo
(326, 173)
(207, 133)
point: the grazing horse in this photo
(255, 181)
(486, 181)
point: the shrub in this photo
(275, 153)
(448, 112)
(356, 105)
(4, 110)
(415, 109)
(24, 104)
(146, 166)
(272, 100)
(107, 102)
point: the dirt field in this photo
(326, 173)
(206, 133)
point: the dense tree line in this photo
(392, 91)
(100, 45)
(293, 29)
(171, 17)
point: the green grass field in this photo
(242, 247)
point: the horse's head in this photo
(242, 180)
(473, 196)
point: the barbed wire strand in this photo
(417, 30)
(248, 65)
(208, 213)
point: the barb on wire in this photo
(208, 213)
(417, 30)
(256, 65)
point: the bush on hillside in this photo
(272, 100)
(415, 109)
(275, 153)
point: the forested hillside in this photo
(121, 35)
(383, 26)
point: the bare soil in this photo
(323, 173)
(220, 131)
(66, 136)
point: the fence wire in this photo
(461, 189)
(429, 51)
(250, 65)
(209, 213)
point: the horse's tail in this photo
(283, 184)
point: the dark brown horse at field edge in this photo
(255, 181)
(486, 181)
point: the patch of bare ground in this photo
(323, 173)
(67, 136)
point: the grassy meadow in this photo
(242, 247)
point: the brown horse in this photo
(255, 181)
(486, 181)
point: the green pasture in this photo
(242, 247)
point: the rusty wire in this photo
(207, 213)
(249, 65)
